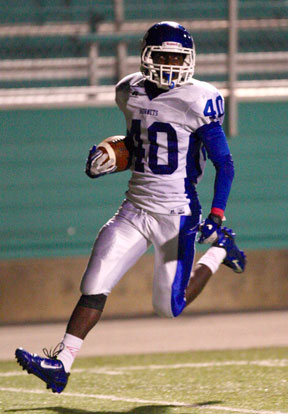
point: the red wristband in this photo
(217, 212)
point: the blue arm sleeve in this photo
(215, 142)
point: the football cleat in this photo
(49, 370)
(235, 258)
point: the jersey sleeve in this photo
(215, 143)
(122, 94)
(123, 90)
(205, 117)
(206, 105)
(213, 108)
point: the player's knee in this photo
(169, 304)
(93, 301)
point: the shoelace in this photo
(53, 353)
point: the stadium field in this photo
(252, 381)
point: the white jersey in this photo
(168, 158)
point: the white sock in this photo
(213, 258)
(72, 347)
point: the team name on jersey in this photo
(145, 111)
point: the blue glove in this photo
(208, 229)
(98, 163)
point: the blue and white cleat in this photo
(235, 258)
(49, 370)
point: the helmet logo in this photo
(173, 44)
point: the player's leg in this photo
(117, 247)
(174, 243)
(225, 251)
(200, 277)
(175, 286)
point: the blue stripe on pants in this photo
(186, 252)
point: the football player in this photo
(174, 125)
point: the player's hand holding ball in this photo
(208, 229)
(111, 155)
(99, 163)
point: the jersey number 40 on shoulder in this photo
(210, 110)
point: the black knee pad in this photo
(93, 301)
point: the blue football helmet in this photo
(167, 37)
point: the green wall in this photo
(50, 208)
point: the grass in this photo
(247, 381)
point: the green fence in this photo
(44, 11)
(39, 14)
(49, 207)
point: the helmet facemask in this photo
(167, 76)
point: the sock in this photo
(72, 346)
(213, 258)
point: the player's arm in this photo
(215, 142)
(112, 155)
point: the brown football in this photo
(121, 152)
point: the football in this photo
(122, 154)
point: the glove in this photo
(98, 163)
(209, 229)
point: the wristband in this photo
(217, 212)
